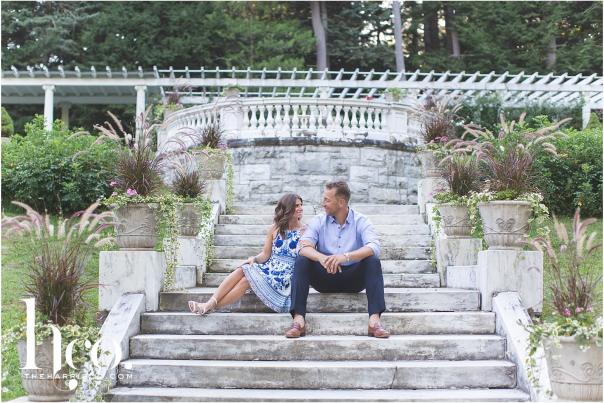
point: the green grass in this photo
(14, 271)
(592, 264)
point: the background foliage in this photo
(56, 171)
(514, 36)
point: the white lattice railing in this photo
(328, 118)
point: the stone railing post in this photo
(231, 114)
(396, 122)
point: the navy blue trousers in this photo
(364, 275)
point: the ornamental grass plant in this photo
(438, 116)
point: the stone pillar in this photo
(426, 189)
(231, 115)
(511, 270)
(396, 120)
(455, 252)
(323, 92)
(65, 113)
(140, 109)
(49, 91)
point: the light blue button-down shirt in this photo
(331, 238)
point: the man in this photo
(339, 252)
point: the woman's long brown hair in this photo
(284, 211)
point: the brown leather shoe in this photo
(377, 331)
(296, 331)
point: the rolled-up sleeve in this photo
(369, 236)
(311, 232)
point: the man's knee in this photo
(372, 263)
(302, 262)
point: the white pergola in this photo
(110, 86)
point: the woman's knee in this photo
(238, 272)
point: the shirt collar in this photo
(348, 217)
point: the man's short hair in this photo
(341, 187)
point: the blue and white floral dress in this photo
(271, 280)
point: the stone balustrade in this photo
(289, 117)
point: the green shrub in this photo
(8, 128)
(485, 111)
(574, 179)
(58, 171)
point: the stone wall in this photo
(376, 172)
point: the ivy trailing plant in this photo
(230, 183)
(573, 291)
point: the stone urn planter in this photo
(40, 384)
(137, 226)
(189, 220)
(455, 220)
(505, 223)
(429, 164)
(210, 165)
(574, 374)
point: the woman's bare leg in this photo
(236, 293)
(227, 285)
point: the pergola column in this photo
(49, 91)
(65, 113)
(585, 110)
(140, 109)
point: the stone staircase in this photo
(443, 347)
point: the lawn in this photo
(14, 272)
(593, 264)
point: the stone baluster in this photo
(362, 119)
(354, 121)
(295, 120)
(262, 119)
(270, 119)
(287, 120)
(338, 121)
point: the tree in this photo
(398, 37)
(319, 29)
(452, 36)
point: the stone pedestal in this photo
(185, 276)
(215, 191)
(511, 270)
(191, 255)
(426, 189)
(465, 277)
(128, 272)
(455, 252)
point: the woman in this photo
(268, 274)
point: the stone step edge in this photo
(343, 395)
(397, 290)
(311, 338)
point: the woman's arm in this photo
(268, 246)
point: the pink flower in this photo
(589, 309)
(113, 184)
(222, 146)
(368, 97)
(131, 192)
(114, 194)
(566, 312)
(444, 139)
(579, 309)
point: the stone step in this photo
(390, 280)
(382, 230)
(397, 300)
(367, 209)
(388, 266)
(150, 394)
(318, 374)
(318, 348)
(399, 323)
(385, 241)
(390, 253)
(384, 219)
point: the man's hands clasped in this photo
(333, 263)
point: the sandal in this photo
(203, 308)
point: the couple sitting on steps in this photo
(337, 252)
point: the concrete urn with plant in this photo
(572, 337)
(211, 153)
(509, 201)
